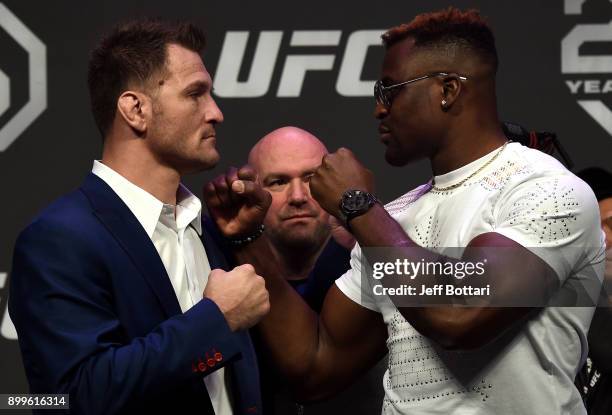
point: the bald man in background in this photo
(312, 250)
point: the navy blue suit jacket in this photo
(97, 316)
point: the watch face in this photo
(355, 201)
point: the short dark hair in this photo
(449, 27)
(133, 52)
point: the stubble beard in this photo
(172, 150)
(286, 241)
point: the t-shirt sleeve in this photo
(350, 283)
(556, 217)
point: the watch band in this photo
(355, 203)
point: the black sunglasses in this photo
(385, 94)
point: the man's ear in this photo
(135, 108)
(451, 88)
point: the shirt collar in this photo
(188, 209)
(462, 172)
(146, 207)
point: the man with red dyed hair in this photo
(515, 213)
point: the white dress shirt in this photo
(174, 230)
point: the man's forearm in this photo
(389, 234)
(451, 326)
(290, 329)
(319, 355)
(390, 244)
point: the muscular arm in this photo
(318, 354)
(511, 269)
(518, 276)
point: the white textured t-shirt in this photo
(532, 199)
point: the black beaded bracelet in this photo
(243, 241)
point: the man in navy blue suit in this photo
(112, 292)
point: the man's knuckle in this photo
(265, 307)
(219, 182)
(248, 268)
(246, 171)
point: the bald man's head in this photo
(284, 160)
(270, 145)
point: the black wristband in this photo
(243, 241)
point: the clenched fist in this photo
(339, 172)
(240, 294)
(236, 202)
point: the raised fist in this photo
(339, 172)
(240, 294)
(236, 202)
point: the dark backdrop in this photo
(48, 139)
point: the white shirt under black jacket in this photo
(532, 199)
(174, 230)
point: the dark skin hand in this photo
(318, 354)
(338, 172)
(236, 202)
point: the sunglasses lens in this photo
(379, 93)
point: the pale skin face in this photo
(165, 128)
(181, 133)
(284, 161)
(605, 209)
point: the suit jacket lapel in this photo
(126, 229)
(213, 244)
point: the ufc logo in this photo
(295, 66)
